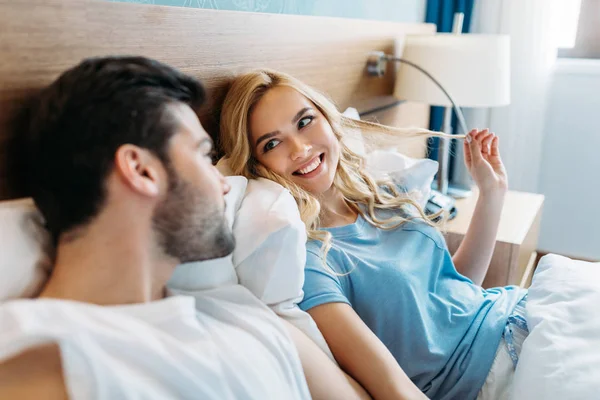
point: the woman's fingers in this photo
(495, 148)
(480, 144)
(480, 134)
(475, 147)
(486, 141)
(467, 152)
(470, 135)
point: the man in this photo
(121, 169)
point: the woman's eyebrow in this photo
(299, 114)
(266, 136)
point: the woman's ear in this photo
(139, 169)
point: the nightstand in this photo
(513, 261)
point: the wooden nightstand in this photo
(514, 256)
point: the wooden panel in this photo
(505, 256)
(527, 248)
(518, 215)
(41, 38)
(516, 239)
(527, 275)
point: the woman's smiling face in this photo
(291, 137)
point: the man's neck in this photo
(109, 263)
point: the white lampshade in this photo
(474, 69)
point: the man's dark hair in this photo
(77, 124)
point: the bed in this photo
(41, 38)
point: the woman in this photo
(400, 314)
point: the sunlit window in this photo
(578, 26)
(568, 12)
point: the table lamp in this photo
(452, 70)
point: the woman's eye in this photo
(305, 121)
(271, 144)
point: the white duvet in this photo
(560, 358)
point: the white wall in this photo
(570, 168)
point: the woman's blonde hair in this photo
(360, 190)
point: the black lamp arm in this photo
(455, 107)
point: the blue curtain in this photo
(441, 13)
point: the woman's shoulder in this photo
(315, 251)
(334, 261)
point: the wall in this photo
(384, 10)
(570, 168)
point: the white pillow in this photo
(26, 250)
(560, 358)
(413, 175)
(269, 256)
(353, 138)
(384, 160)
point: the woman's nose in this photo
(300, 149)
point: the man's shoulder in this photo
(33, 374)
(222, 327)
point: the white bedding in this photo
(560, 358)
(220, 344)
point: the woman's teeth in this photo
(311, 167)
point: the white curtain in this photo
(531, 25)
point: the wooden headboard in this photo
(41, 38)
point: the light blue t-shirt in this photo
(442, 328)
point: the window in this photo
(586, 43)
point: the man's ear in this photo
(139, 169)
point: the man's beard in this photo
(188, 227)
